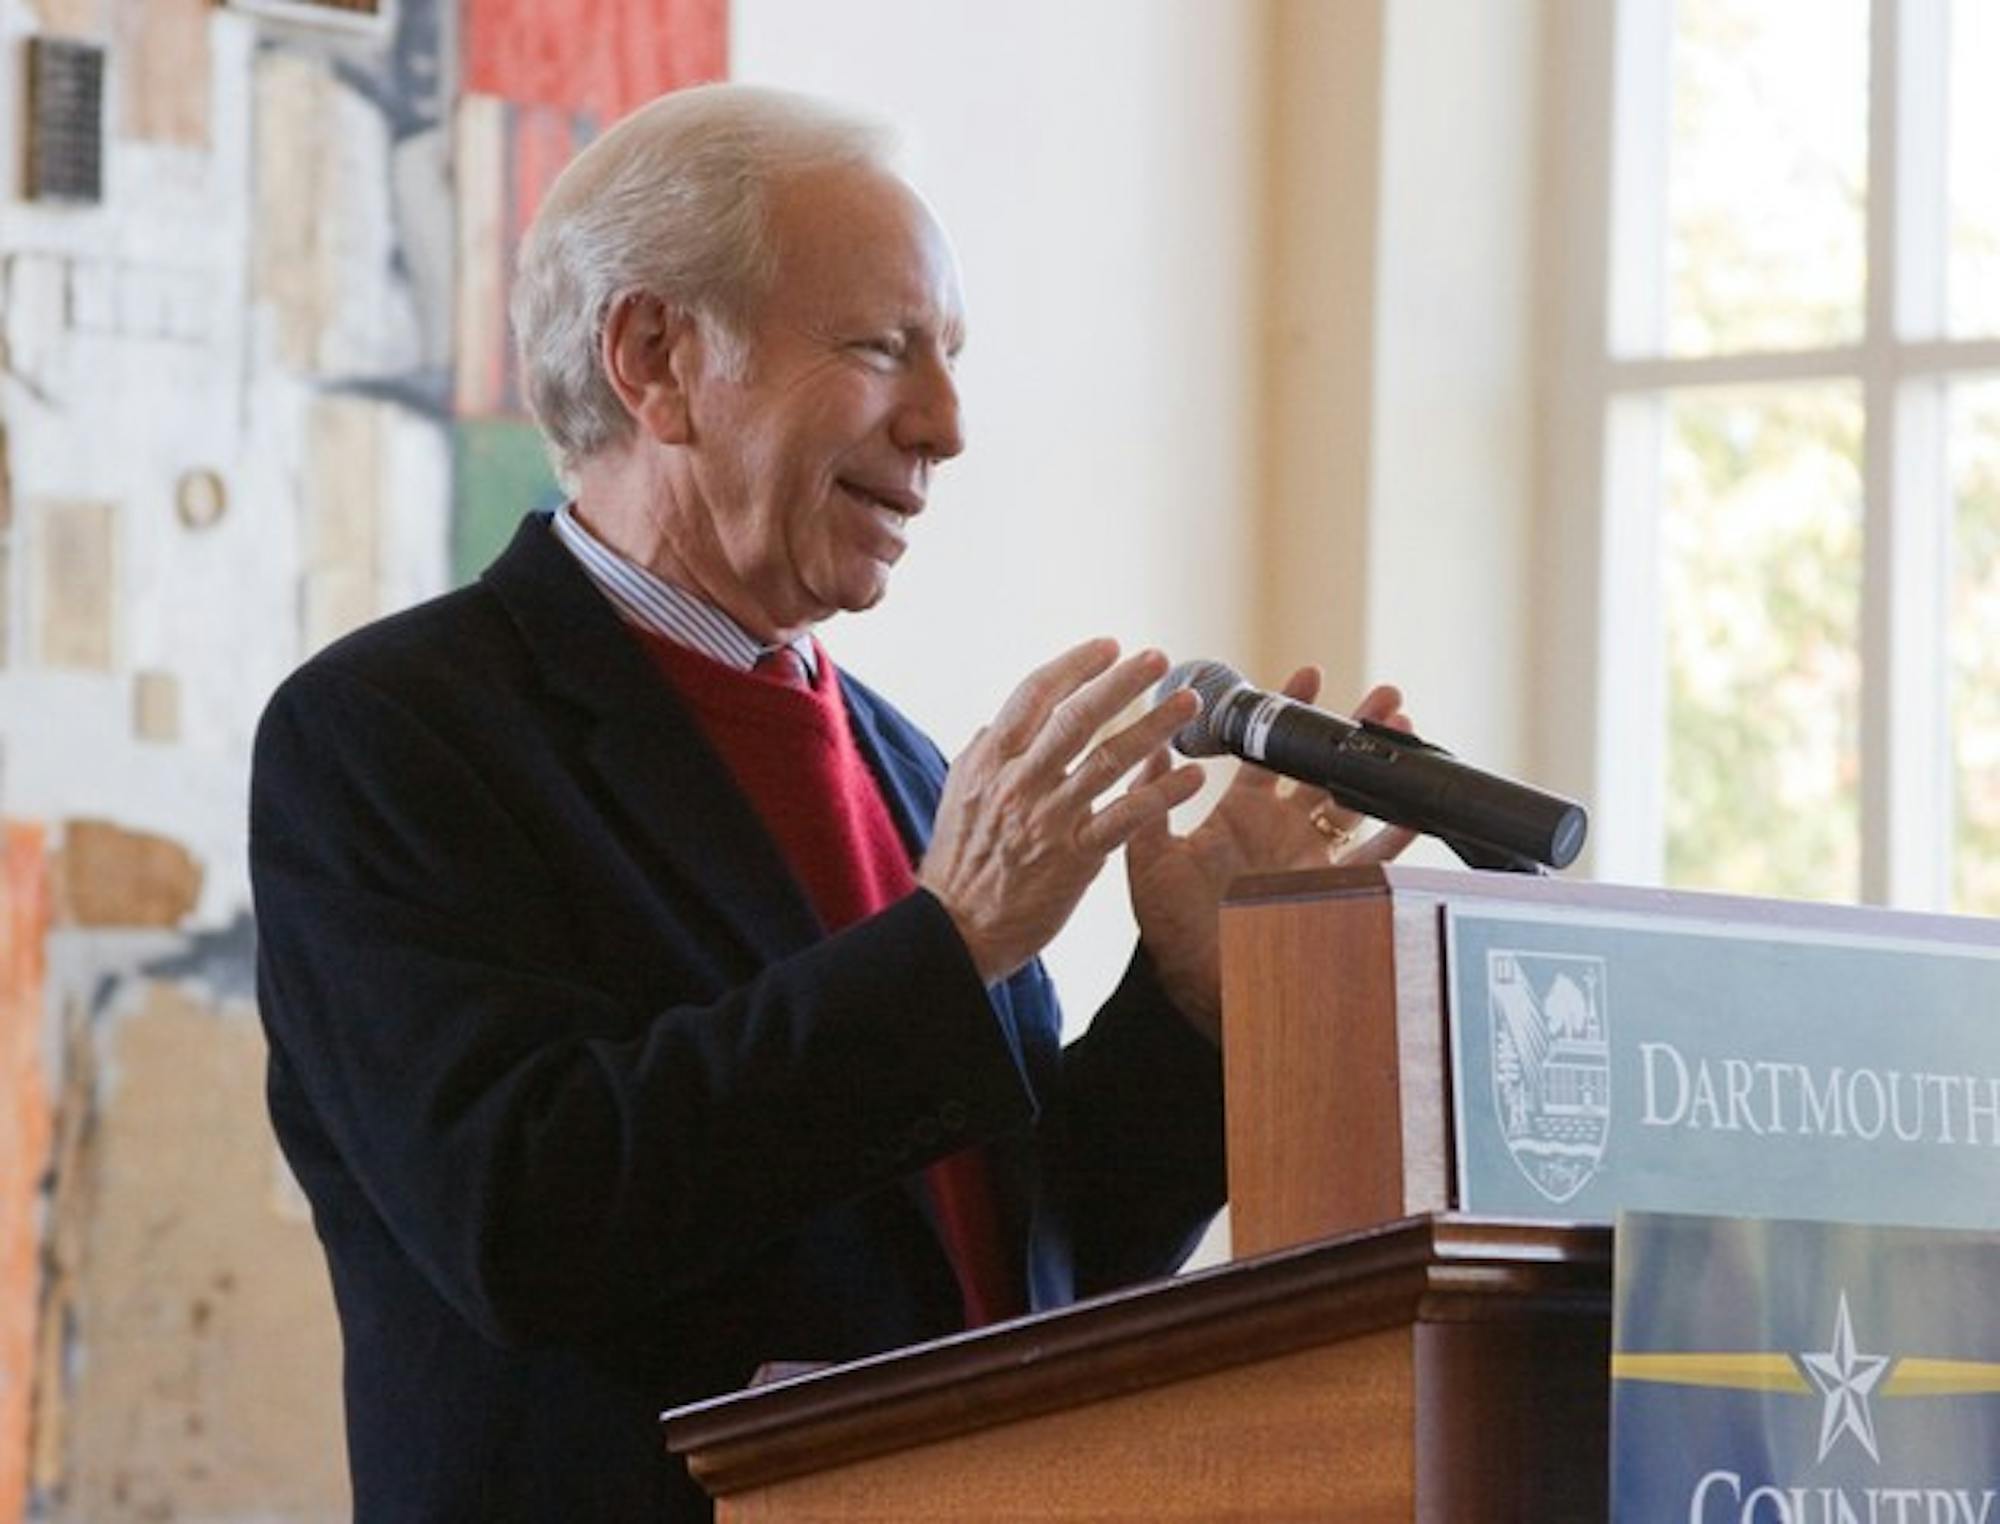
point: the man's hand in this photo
(1019, 833)
(1261, 824)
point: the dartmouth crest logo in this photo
(1551, 1065)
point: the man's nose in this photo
(930, 423)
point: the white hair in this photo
(672, 202)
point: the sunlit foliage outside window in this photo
(1761, 539)
(1975, 645)
(1761, 545)
(1761, 535)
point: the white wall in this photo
(1322, 194)
(1253, 357)
(1096, 165)
(1403, 362)
(1452, 507)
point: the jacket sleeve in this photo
(553, 1160)
(1130, 1148)
(1142, 1170)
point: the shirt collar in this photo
(649, 602)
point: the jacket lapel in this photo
(647, 749)
(911, 775)
(911, 779)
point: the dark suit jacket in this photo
(593, 1115)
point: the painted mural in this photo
(540, 81)
(253, 392)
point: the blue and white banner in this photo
(1605, 1063)
(1804, 1373)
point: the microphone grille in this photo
(1214, 681)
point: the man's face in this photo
(810, 465)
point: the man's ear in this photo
(648, 351)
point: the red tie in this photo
(784, 666)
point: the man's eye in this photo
(887, 348)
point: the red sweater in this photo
(793, 754)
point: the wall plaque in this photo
(65, 120)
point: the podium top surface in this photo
(1422, 1269)
(1556, 894)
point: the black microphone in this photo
(1392, 775)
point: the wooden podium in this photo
(1366, 1357)
(1430, 1369)
(1370, 1354)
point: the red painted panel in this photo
(24, 1142)
(599, 57)
(540, 141)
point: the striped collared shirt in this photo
(655, 605)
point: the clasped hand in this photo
(1021, 830)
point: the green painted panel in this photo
(499, 472)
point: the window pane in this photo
(1973, 443)
(1972, 152)
(1767, 175)
(1761, 544)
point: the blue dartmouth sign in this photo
(1603, 1063)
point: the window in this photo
(1777, 425)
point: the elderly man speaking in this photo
(646, 1000)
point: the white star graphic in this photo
(1845, 1377)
